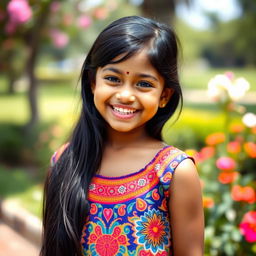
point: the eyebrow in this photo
(142, 75)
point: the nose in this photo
(125, 96)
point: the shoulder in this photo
(186, 184)
(171, 158)
(57, 154)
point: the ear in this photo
(165, 97)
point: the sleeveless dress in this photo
(129, 214)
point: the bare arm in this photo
(186, 211)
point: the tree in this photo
(162, 10)
(27, 25)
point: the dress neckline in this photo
(133, 173)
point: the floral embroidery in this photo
(129, 215)
(149, 253)
(141, 182)
(122, 189)
(153, 230)
(107, 242)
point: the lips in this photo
(123, 112)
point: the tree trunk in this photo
(161, 10)
(34, 40)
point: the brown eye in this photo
(112, 79)
(144, 84)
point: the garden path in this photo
(13, 244)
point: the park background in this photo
(43, 45)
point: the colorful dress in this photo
(129, 214)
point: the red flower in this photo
(227, 177)
(226, 163)
(250, 149)
(248, 226)
(215, 138)
(234, 147)
(246, 194)
(206, 153)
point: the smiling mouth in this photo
(123, 112)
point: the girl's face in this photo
(129, 93)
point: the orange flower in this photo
(206, 153)
(208, 202)
(246, 194)
(250, 149)
(215, 138)
(227, 177)
(234, 147)
(236, 128)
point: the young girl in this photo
(116, 189)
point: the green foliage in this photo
(17, 184)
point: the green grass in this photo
(17, 184)
(194, 78)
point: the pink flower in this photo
(19, 11)
(248, 226)
(60, 39)
(226, 163)
(84, 21)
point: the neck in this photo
(120, 140)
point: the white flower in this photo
(218, 87)
(231, 214)
(238, 89)
(249, 119)
(224, 87)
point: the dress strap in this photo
(171, 160)
(55, 157)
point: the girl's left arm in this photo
(186, 211)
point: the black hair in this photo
(66, 205)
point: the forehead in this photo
(138, 62)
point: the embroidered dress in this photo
(129, 214)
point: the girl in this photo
(112, 189)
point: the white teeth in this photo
(124, 110)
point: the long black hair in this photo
(66, 205)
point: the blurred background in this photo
(42, 48)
